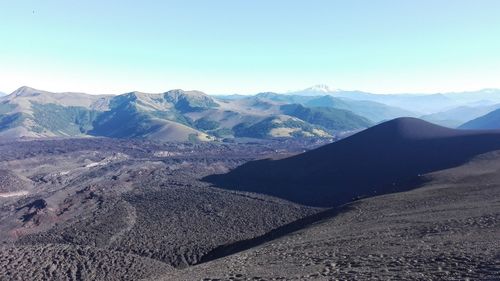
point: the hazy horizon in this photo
(239, 47)
(246, 94)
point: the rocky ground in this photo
(72, 262)
(100, 209)
(106, 209)
(446, 230)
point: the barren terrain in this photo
(80, 209)
(446, 230)
(103, 209)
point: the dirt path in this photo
(13, 194)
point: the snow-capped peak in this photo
(316, 90)
(321, 88)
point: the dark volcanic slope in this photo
(385, 158)
(445, 230)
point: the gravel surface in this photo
(91, 209)
(115, 210)
(446, 230)
(67, 262)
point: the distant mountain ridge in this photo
(175, 115)
(490, 121)
(374, 111)
(178, 115)
(457, 116)
(330, 118)
(420, 103)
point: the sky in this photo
(246, 47)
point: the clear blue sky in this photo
(243, 46)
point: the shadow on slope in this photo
(389, 157)
(226, 250)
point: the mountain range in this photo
(457, 116)
(447, 109)
(421, 104)
(178, 115)
(175, 115)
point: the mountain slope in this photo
(488, 121)
(186, 101)
(459, 115)
(154, 116)
(279, 126)
(445, 230)
(28, 112)
(330, 118)
(379, 160)
(374, 111)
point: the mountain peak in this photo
(409, 128)
(412, 129)
(416, 127)
(180, 92)
(25, 91)
(322, 88)
(316, 90)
